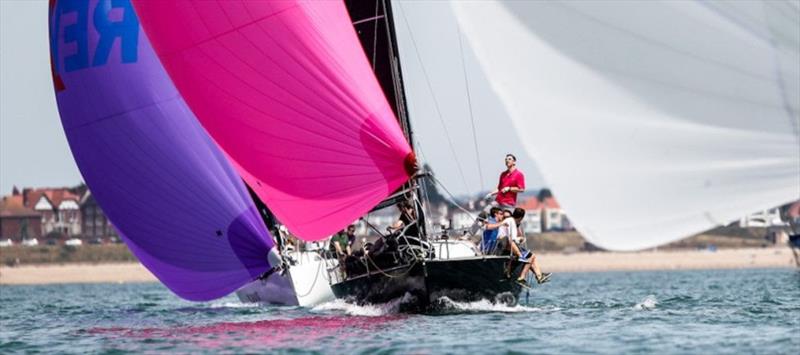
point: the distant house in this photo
(554, 217)
(59, 209)
(17, 221)
(532, 223)
(765, 218)
(95, 223)
(542, 216)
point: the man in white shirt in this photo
(510, 234)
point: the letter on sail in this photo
(285, 89)
(176, 201)
(650, 120)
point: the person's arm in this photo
(338, 247)
(512, 228)
(520, 182)
(497, 190)
(396, 226)
(512, 189)
(521, 233)
(493, 225)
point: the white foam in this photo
(393, 307)
(488, 306)
(370, 310)
(234, 305)
(646, 304)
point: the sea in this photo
(662, 312)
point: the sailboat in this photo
(173, 109)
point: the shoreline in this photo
(749, 258)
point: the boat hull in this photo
(422, 286)
(305, 284)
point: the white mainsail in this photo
(652, 120)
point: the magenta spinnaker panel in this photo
(286, 91)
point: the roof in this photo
(57, 196)
(551, 202)
(54, 195)
(33, 197)
(534, 204)
(530, 204)
(12, 206)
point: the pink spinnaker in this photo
(285, 89)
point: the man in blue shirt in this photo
(489, 241)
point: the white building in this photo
(765, 218)
(59, 208)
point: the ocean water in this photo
(701, 312)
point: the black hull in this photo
(422, 285)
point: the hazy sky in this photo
(34, 150)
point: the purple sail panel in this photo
(175, 199)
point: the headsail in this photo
(661, 119)
(285, 89)
(177, 202)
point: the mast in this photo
(402, 108)
(382, 51)
(397, 75)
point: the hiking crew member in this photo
(489, 241)
(510, 239)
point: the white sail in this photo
(650, 120)
(461, 130)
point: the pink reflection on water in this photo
(295, 332)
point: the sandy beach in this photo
(553, 262)
(75, 273)
(669, 260)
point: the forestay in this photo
(650, 120)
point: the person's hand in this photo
(506, 189)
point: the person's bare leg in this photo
(535, 266)
(524, 272)
(515, 249)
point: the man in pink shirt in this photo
(511, 183)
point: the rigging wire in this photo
(433, 96)
(452, 198)
(469, 103)
(375, 34)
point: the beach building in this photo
(544, 216)
(59, 209)
(533, 215)
(95, 224)
(553, 216)
(17, 221)
(764, 218)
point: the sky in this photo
(34, 150)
